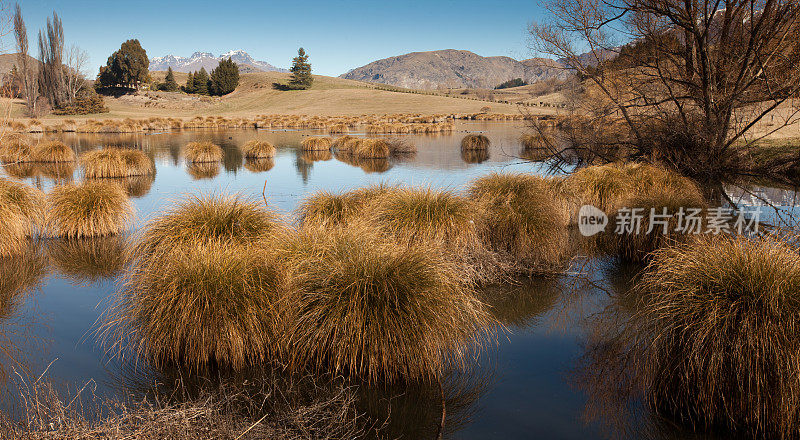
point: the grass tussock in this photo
(12, 231)
(26, 202)
(15, 149)
(209, 218)
(371, 149)
(203, 269)
(325, 210)
(712, 339)
(475, 142)
(196, 152)
(355, 288)
(177, 302)
(344, 143)
(116, 162)
(88, 209)
(256, 149)
(521, 218)
(317, 144)
(53, 152)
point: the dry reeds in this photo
(53, 152)
(12, 231)
(355, 289)
(713, 341)
(198, 152)
(371, 149)
(15, 149)
(25, 201)
(256, 149)
(203, 269)
(116, 162)
(317, 144)
(521, 218)
(475, 142)
(325, 210)
(88, 209)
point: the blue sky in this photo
(337, 35)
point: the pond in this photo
(529, 385)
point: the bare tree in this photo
(27, 71)
(51, 56)
(692, 79)
(75, 62)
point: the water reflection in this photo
(88, 260)
(202, 170)
(474, 156)
(260, 165)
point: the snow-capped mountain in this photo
(208, 61)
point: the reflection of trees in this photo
(87, 260)
(19, 276)
(303, 167)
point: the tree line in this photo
(55, 81)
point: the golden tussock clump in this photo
(15, 149)
(259, 165)
(324, 209)
(522, 219)
(475, 142)
(203, 269)
(711, 341)
(28, 203)
(338, 129)
(116, 162)
(12, 231)
(345, 143)
(256, 149)
(355, 288)
(371, 149)
(88, 209)
(317, 144)
(53, 151)
(202, 152)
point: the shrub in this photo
(225, 77)
(202, 152)
(711, 340)
(256, 149)
(88, 209)
(475, 142)
(317, 144)
(355, 289)
(516, 82)
(88, 102)
(521, 218)
(53, 151)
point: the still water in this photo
(532, 384)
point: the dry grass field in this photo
(256, 95)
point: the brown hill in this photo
(454, 69)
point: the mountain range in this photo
(208, 61)
(455, 69)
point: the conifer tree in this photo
(301, 71)
(169, 82)
(201, 82)
(189, 87)
(224, 78)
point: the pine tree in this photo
(224, 78)
(189, 87)
(201, 82)
(169, 82)
(301, 71)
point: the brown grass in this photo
(26, 201)
(317, 144)
(88, 209)
(356, 288)
(116, 162)
(195, 152)
(475, 142)
(53, 151)
(256, 149)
